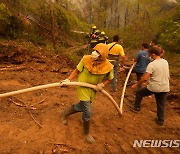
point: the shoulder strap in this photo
(112, 46)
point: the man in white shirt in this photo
(157, 74)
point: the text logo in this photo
(156, 143)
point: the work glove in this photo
(65, 81)
(100, 87)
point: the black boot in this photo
(66, 112)
(88, 137)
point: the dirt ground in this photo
(30, 122)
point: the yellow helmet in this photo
(93, 27)
(103, 33)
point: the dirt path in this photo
(20, 134)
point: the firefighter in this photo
(115, 52)
(102, 38)
(94, 38)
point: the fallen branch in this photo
(59, 85)
(124, 88)
(21, 104)
(176, 108)
(41, 101)
(27, 107)
(34, 118)
(12, 68)
(18, 104)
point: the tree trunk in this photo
(52, 25)
(138, 10)
(143, 29)
(116, 10)
(91, 12)
(125, 18)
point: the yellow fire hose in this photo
(59, 85)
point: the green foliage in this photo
(14, 16)
(174, 63)
(78, 24)
(170, 33)
(10, 26)
(15, 28)
(4, 13)
(63, 19)
(34, 37)
(67, 21)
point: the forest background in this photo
(53, 23)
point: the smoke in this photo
(172, 1)
(169, 4)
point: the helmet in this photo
(103, 33)
(93, 27)
(97, 32)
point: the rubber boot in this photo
(65, 113)
(88, 137)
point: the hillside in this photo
(30, 122)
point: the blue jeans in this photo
(85, 107)
(160, 101)
(114, 80)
